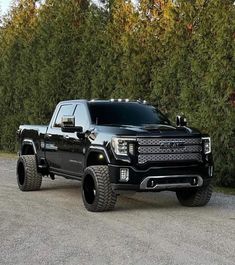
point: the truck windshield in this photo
(122, 113)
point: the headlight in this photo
(206, 145)
(120, 146)
(123, 146)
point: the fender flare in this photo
(98, 149)
(28, 142)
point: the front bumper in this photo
(161, 178)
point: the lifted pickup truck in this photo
(117, 146)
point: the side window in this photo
(81, 118)
(64, 110)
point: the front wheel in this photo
(97, 193)
(195, 197)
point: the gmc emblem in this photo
(172, 145)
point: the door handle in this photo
(66, 136)
(48, 135)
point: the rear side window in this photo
(63, 111)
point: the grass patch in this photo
(8, 155)
(225, 190)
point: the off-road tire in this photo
(28, 178)
(97, 193)
(195, 197)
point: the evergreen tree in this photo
(178, 54)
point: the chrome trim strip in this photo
(143, 184)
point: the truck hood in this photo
(148, 130)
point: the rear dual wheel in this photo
(28, 178)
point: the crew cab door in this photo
(54, 138)
(74, 147)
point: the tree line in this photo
(178, 55)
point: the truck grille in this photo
(157, 141)
(158, 149)
(169, 149)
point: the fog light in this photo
(101, 156)
(124, 174)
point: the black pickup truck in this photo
(117, 146)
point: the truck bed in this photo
(35, 132)
(39, 128)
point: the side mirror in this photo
(181, 121)
(68, 125)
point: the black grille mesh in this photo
(154, 150)
(158, 141)
(158, 149)
(142, 159)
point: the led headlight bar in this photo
(122, 147)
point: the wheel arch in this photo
(28, 147)
(97, 156)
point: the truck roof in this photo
(103, 101)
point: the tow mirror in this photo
(67, 121)
(68, 125)
(181, 121)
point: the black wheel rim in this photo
(89, 189)
(187, 194)
(21, 174)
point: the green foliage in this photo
(180, 55)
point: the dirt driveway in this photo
(51, 226)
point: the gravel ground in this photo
(51, 226)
